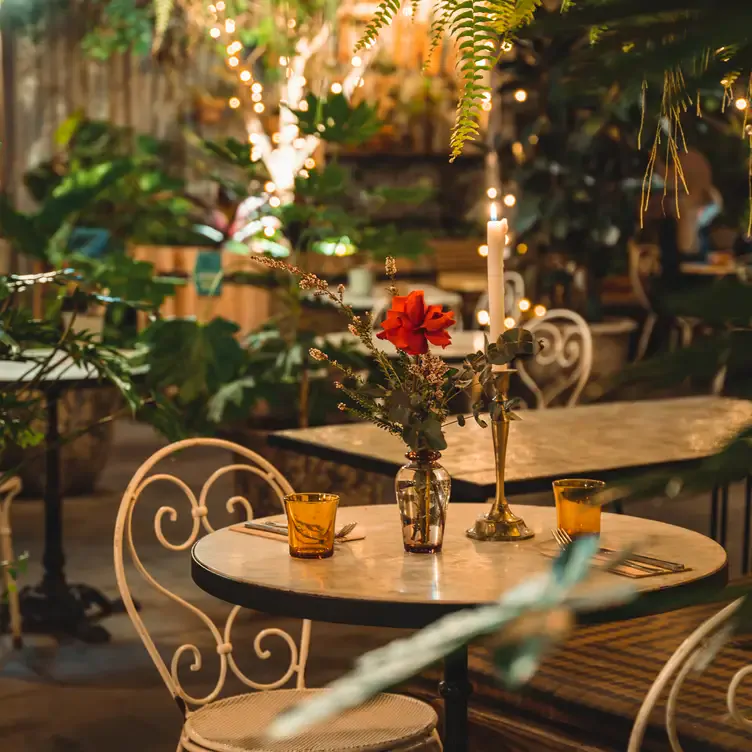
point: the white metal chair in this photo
(9, 490)
(236, 723)
(692, 656)
(514, 292)
(565, 360)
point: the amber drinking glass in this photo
(310, 524)
(576, 511)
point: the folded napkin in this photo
(358, 533)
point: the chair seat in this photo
(388, 723)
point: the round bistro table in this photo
(55, 606)
(373, 582)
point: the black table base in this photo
(455, 689)
(64, 610)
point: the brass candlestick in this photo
(500, 524)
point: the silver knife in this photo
(265, 527)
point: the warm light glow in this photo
(283, 60)
(408, 10)
(234, 103)
(276, 138)
(303, 106)
(234, 47)
(340, 249)
(522, 249)
(484, 319)
(255, 155)
(274, 201)
(258, 107)
(506, 46)
(230, 26)
(483, 250)
(486, 106)
(303, 174)
(357, 61)
(520, 95)
(302, 80)
(492, 193)
(233, 62)
(336, 88)
(524, 304)
(509, 322)
(269, 231)
(256, 97)
(539, 310)
(215, 33)
(361, 82)
(257, 88)
(253, 138)
(509, 200)
(269, 186)
(212, 9)
(245, 75)
(518, 149)
(741, 103)
(292, 23)
(494, 211)
(299, 143)
(533, 139)
(507, 239)
(220, 5)
(310, 163)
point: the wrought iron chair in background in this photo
(561, 369)
(692, 656)
(514, 292)
(9, 490)
(235, 723)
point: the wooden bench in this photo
(587, 692)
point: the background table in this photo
(54, 606)
(602, 440)
(373, 582)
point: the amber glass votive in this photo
(577, 512)
(310, 524)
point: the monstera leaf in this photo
(334, 120)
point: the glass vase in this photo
(422, 487)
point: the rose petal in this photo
(415, 307)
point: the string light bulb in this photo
(283, 60)
(539, 310)
(274, 202)
(524, 305)
(234, 103)
(292, 23)
(255, 97)
(229, 26)
(269, 231)
(257, 88)
(303, 106)
(258, 107)
(520, 95)
(220, 5)
(484, 318)
(483, 250)
(492, 193)
(212, 9)
(233, 62)
(310, 163)
(741, 103)
(336, 88)
(269, 186)
(522, 249)
(506, 46)
(299, 143)
(487, 106)
(245, 75)
(357, 61)
(509, 322)
(276, 138)
(215, 33)
(509, 200)
(234, 47)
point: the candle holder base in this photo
(505, 526)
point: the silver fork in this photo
(645, 563)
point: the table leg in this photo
(54, 606)
(714, 513)
(724, 515)
(455, 689)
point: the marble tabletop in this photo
(705, 269)
(61, 368)
(590, 440)
(374, 582)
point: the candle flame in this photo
(494, 211)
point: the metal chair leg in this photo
(714, 513)
(11, 488)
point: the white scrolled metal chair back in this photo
(433, 296)
(565, 360)
(142, 480)
(693, 655)
(514, 292)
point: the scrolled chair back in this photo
(562, 367)
(144, 478)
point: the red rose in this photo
(410, 324)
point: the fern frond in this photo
(383, 16)
(162, 13)
(524, 12)
(441, 17)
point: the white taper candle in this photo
(497, 233)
